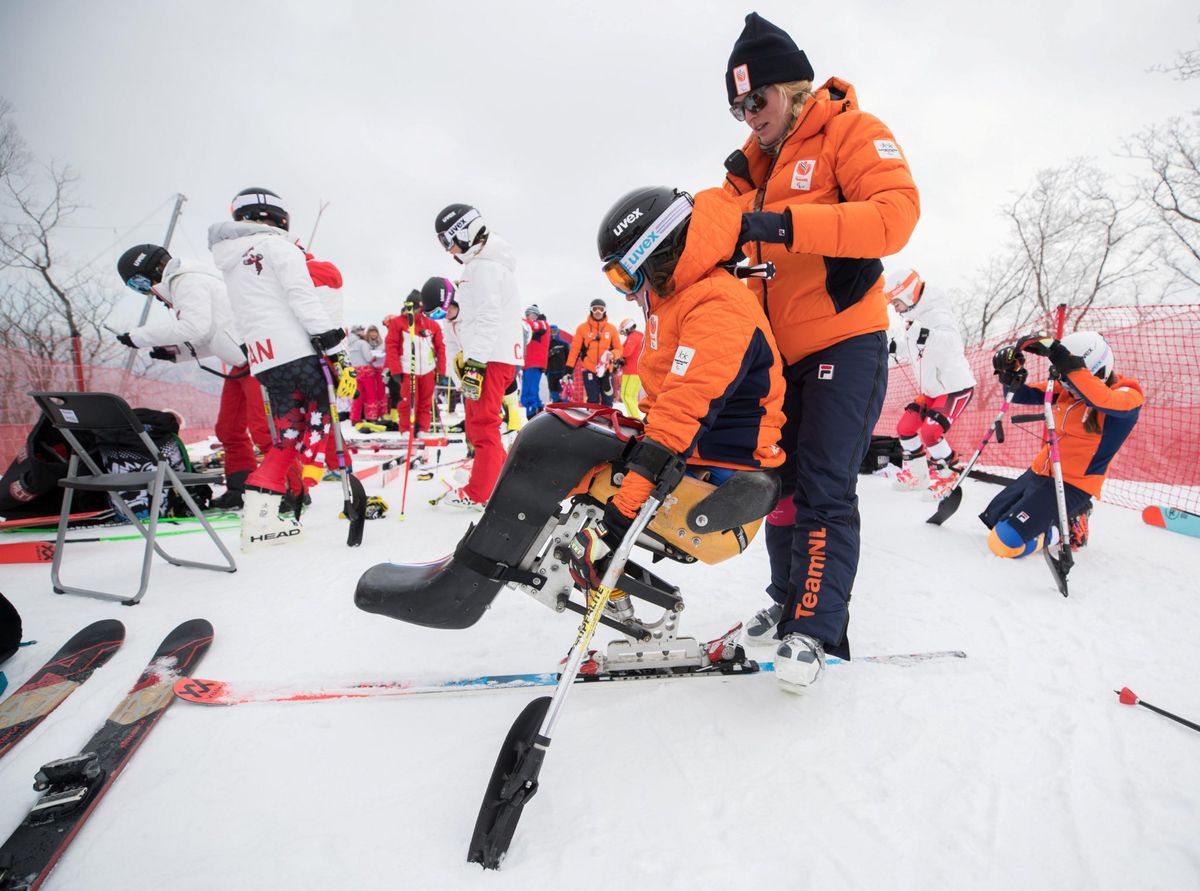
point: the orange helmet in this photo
(626, 326)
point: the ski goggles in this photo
(139, 283)
(625, 273)
(755, 102)
(448, 237)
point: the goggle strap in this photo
(668, 221)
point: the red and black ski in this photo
(52, 521)
(57, 679)
(72, 787)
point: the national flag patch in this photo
(802, 175)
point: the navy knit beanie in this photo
(764, 54)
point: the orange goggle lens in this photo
(620, 278)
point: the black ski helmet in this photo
(437, 293)
(459, 224)
(638, 232)
(259, 204)
(143, 261)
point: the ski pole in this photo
(1065, 559)
(353, 494)
(1128, 697)
(949, 504)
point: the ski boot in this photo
(261, 522)
(1078, 529)
(943, 475)
(914, 475)
(799, 661)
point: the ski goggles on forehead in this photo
(139, 283)
(625, 273)
(448, 237)
(755, 102)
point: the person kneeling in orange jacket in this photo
(1094, 413)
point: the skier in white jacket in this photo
(285, 326)
(944, 380)
(201, 326)
(490, 330)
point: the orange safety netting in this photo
(1157, 345)
(184, 390)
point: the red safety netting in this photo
(1157, 345)
(194, 402)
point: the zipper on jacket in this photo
(761, 196)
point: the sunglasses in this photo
(140, 283)
(752, 104)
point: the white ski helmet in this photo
(904, 285)
(1093, 349)
(626, 326)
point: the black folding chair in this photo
(75, 413)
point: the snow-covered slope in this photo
(1015, 767)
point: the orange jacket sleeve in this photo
(1102, 397)
(881, 204)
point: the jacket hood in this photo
(712, 236)
(495, 249)
(222, 238)
(178, 267)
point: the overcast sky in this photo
(542, 114)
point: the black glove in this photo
(1063, 360)
(327, 340)
(1037, 343)
(891, 346)
(538, 335)
(620, 363)
(126, 340)
(569, 370)
(1009, 367)
(774, 228)
(165, 354)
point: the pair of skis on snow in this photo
(72, 787)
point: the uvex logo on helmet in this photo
(625, 223)
(449, 216)
(642, 250)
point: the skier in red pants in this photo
(491, 332)
(415, 349)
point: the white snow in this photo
(1015, 767)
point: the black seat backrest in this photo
(87, 411)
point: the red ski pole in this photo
(1128, 697)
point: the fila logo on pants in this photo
(816, 572)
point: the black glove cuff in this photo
(614, 525)
(1063, 359)
(656, 463)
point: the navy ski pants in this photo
(832, 402)
(1025, 510)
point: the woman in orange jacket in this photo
(596, 344)
(826, 192)
(709, 367)
(1094, 413)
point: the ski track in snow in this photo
(1014, 767)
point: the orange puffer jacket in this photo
(1084, 455)
(709, 367)
(592, 340)
(843, 178)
